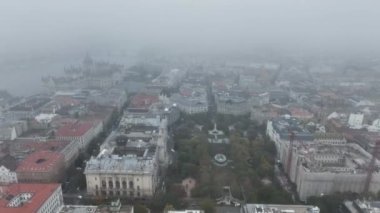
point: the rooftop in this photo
(121, 164)
(359, 206)
(41, 161)
(328, 136)
(76, 129)
(287, 124)
(189, 100)
(300, 112)
(21, 147)
(66, 100)
(39, 194)
(347, 158)
(78, 209)
(273, 208)
(231, 99)
(31, 104)
(143, 101)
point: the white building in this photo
(278, 130)
(190, 105)
(70, 152)
(10, 130)
(147, 119)
(129, 163)
(127, 176)
(355, 121)
(273, 208)
(168, 79)
(375, 127)
(7, 176)
(8, 133)
(321, 163)
(191, 99)
(231, 105)
(325, 169)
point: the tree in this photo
(208, 205)
(252, 132)
(138, 208)
(168, 207)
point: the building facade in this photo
(7, 176)
(81, 132)
(232, 105)
(125, 176)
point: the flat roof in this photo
(121, 164)
(345, 158)
(274, 208)
(78, 209)
(285, 125)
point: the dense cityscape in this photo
(163, 136)
(189, 106)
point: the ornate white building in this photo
(127, 176)
(129, 163)
(231, 105)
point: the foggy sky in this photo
(50, 27)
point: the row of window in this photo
(117, 184)
(117, 193)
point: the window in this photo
(117, 183)
(110, 184)
(104, 185)
(131, 184)
(124, 184)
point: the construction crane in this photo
(290, 152)
(371, 167)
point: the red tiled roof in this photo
(41, 192)
(48, 145)
(65, 100)
(300, 112)
(187, 92)
(41, 161)
(76, 129)
(143, 101)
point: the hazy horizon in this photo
(66, 31)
